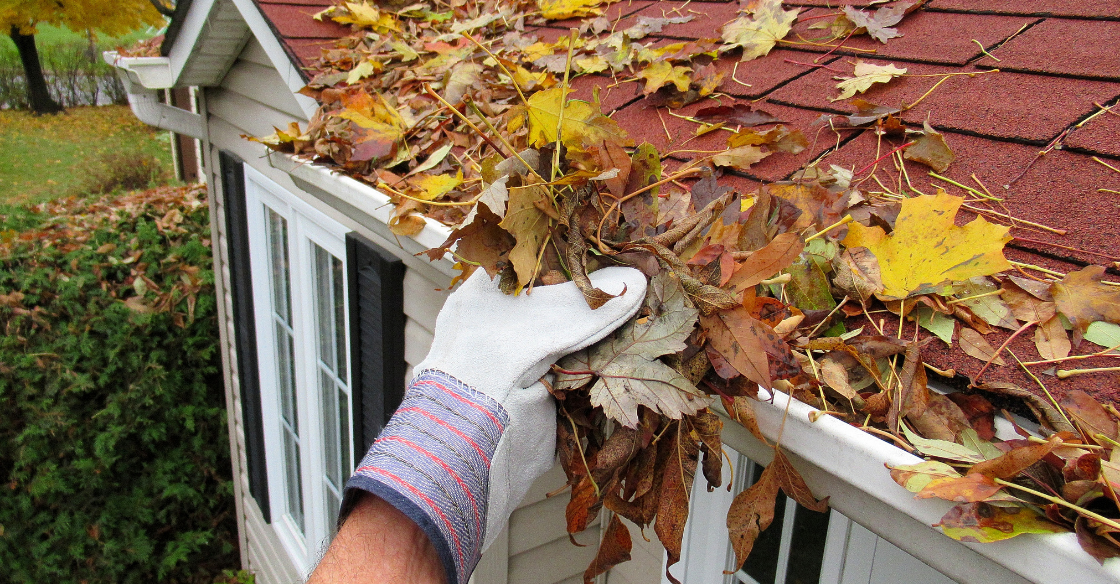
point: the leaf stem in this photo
(965, 187)
(847, 219)
(564, 89)
(463, 117)
(1001, 348)
(1060, 501)
(502, 65)
(1045, 390)
(967, 298)
(1066, 373)
(579, 445)
(1102, 353)
(877, 160)
(433, 203)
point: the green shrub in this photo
(114, 453)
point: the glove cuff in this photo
(432, 462)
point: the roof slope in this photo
(1058, 68)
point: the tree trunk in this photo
(37, 94)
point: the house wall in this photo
(252, 99)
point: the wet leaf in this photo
(985, 523)
(864, 76)
(760, 31)
(1084, 300)
(930, 149)
(1016, 460)
(630, 373)
(926, 249)
(971, 488)
(613, 550)
(529, 226)
(877, 24)
(974, 345)
(915, 477)
(793, 485)
(941, 448)
(676, 486)
(768, 261)
(740, 158)
(739, 114)
(660, 73)
(751, 512)
(564, 9)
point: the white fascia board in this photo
(288, 70)
(365, 199)
(189, 33)
(848, 465)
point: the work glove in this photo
(476, 426)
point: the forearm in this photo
(378, 543)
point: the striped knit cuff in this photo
(432, 462)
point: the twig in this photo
(1077, 249)
(847, 219)
(433, 203)
(840, 305)
(985, 51)
(1060, 501)
(465, 120)
(735, 72)
(512, 78)
(1102, 353)
(901, 443)
(1001, 348)
(963, 186)
(1014, 219)
(877, 160)
(926, 94)
(1045, 390)
(563, 99)
(818, 65)
(1066, 373)
(967, 298)
(1106, 164)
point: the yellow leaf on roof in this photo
(363, 15)
(926, 249)
(866, 75)
(561, 9)
(759, 32)
(660, 73)
(583, 122)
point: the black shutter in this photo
(376, 282)
(244, 329)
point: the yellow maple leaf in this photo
(362, 15)
(926, 249)
(661, 72)
(434, 186)
(583, 122)
(561, 9)
(866, 75)
(759, 32)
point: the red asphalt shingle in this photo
(1003, 105)
(1085, 48)
(1051, 75)
(1082, 8)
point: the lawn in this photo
(47, 157)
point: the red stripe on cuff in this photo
(453, 429)
(450, 471)
(464, 400)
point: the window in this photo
(300, 298)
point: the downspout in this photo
(142, 77)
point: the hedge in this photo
(114, 450)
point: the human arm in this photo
(476, 427)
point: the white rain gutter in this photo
(847, 465)
(142, 77)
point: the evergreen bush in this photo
(114, 453)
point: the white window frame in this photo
(305, 225)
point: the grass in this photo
(48, 157)
(47, 35)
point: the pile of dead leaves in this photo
(465, 118)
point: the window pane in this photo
(339, 289)
(287, 374)
(333, 505)
(294, 487)
(806, 552)
(330, 429)
(344, 425)
(281, 279)
(324, 300)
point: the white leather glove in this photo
(476, 427)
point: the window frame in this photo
(305, 226)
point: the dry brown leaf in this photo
(751, 512)
(613, 550)
(1015, 461)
